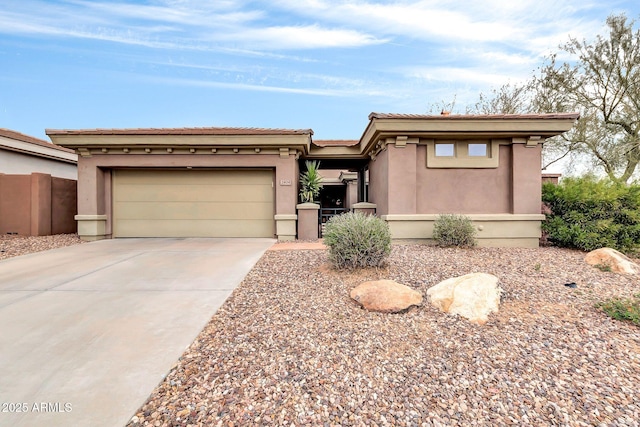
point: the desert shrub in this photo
(357, 240)
(622, 308)
(454, 230)
(310, 182)
(587, 214)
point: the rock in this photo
(473, 296)
(612, 259)
(385, 296)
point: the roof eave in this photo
(299, 141)
(467, 127)
(336, 152)
(39, 150)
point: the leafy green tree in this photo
(604, 86)
(602, 83)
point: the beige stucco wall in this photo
(94, 184)
(503, 201)
(493, 230)
(402, 179)
(378, 182)
(308, 221)
(14, 163)
(463, 191)
(401, 183)
(527, 179)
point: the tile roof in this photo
(335, 142)
(181, 131)
(12, 134)
(474, 116)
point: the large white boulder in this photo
(612, 259)
(473, 296)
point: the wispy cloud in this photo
(300, 37)
(177, 25)
(191, 13)
(526, 24)
(246, 86)
(471, 76)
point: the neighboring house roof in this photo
(19, 142)
(181, 131)
(335, 142)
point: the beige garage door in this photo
(193, 203)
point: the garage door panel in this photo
(195, 211)
(193, 177)
(188, 193)
(205, 228)
(193, 203)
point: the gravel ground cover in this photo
(290, 348)
(13, 245)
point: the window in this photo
(465, 153)
(445, 150)
(475, 150)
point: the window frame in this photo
(461, 157)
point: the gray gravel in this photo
(290, 348)
(14, 245)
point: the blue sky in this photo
(297, 64)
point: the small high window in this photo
(463, 153)
(477, 150)
(445, 150)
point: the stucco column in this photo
(402, 179)
(352, 194)
(527, 178)
(40, 204)
(91, 216)
(286, 187)
(308, 221)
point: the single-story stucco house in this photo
(243, 182)
(37, 186)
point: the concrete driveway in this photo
(88, 331)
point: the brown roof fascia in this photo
(11, 134)
(540, 116)
(299, 139)
(180, 131)
(335, 142)
(399, 124)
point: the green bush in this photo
(310, 182)
(357, 240)
(622, 308)
(454, 230)
(589, 214)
